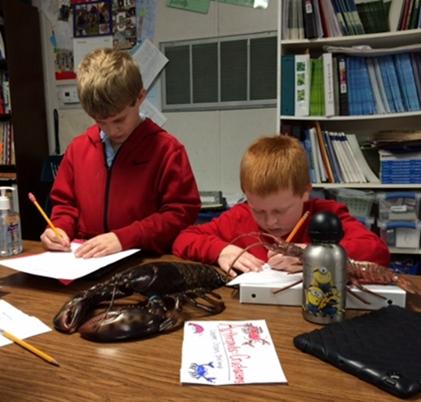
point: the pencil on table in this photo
(297, 226)
(29, 347)
(44, 215)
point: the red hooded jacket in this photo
(146, 197)
(205, 242)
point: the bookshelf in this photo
(21, 33)
(363, 126)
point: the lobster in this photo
(359, 273)
(164, 286)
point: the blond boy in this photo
(125, 182)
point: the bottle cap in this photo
(325, 227)
(4, 199)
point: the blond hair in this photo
(108, 80)
(275, 163)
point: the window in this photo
(220, 73)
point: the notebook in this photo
(382, 347)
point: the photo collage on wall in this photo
(109, 17)
(93, 18)
(124, 24)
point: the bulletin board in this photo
(78, 26)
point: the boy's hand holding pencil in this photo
(53, 238)
(284, 262)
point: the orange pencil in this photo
(297, 227)
(29, 347)
(44, 215)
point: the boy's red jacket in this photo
(147, 196)
(205, 242)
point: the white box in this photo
(262, 294)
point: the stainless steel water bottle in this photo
(324, 271)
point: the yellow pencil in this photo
(29, 347)
(51, 224)
(297, 227)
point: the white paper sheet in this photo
(82, 46)
(147, 109)
(270, 276)
(18, 323)
(150, 60)
(62, 265)
(229, 352)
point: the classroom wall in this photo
(215, 140)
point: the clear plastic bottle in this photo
(324, 273)
(10, 228)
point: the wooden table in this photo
(148, 370)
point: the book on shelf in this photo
(343, 85)
(413, 20)
(416, 68)
(328, 82)
(310, 26)
(287, 85)
(302, 85)
(383, 138)
(324, 154)
(317, 101)
(321, 163)
(319, 23)
(295, 20)
(285, 16)
(2, 48)
(306, 141)
(406, 81)
(406, 12)
(314, 155)
(394, 15)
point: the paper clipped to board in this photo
(63, 265)
(229, 352)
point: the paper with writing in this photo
(229, 352)
(63, 265)
(18, 323)
(150, 60)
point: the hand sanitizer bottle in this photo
(10, 230)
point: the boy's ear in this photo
(306, 194)
(142, 95)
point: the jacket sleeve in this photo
(205, 242)
(179, 207)
(64, 213)
(360, 243)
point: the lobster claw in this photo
(71, 315)
(133, 321)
